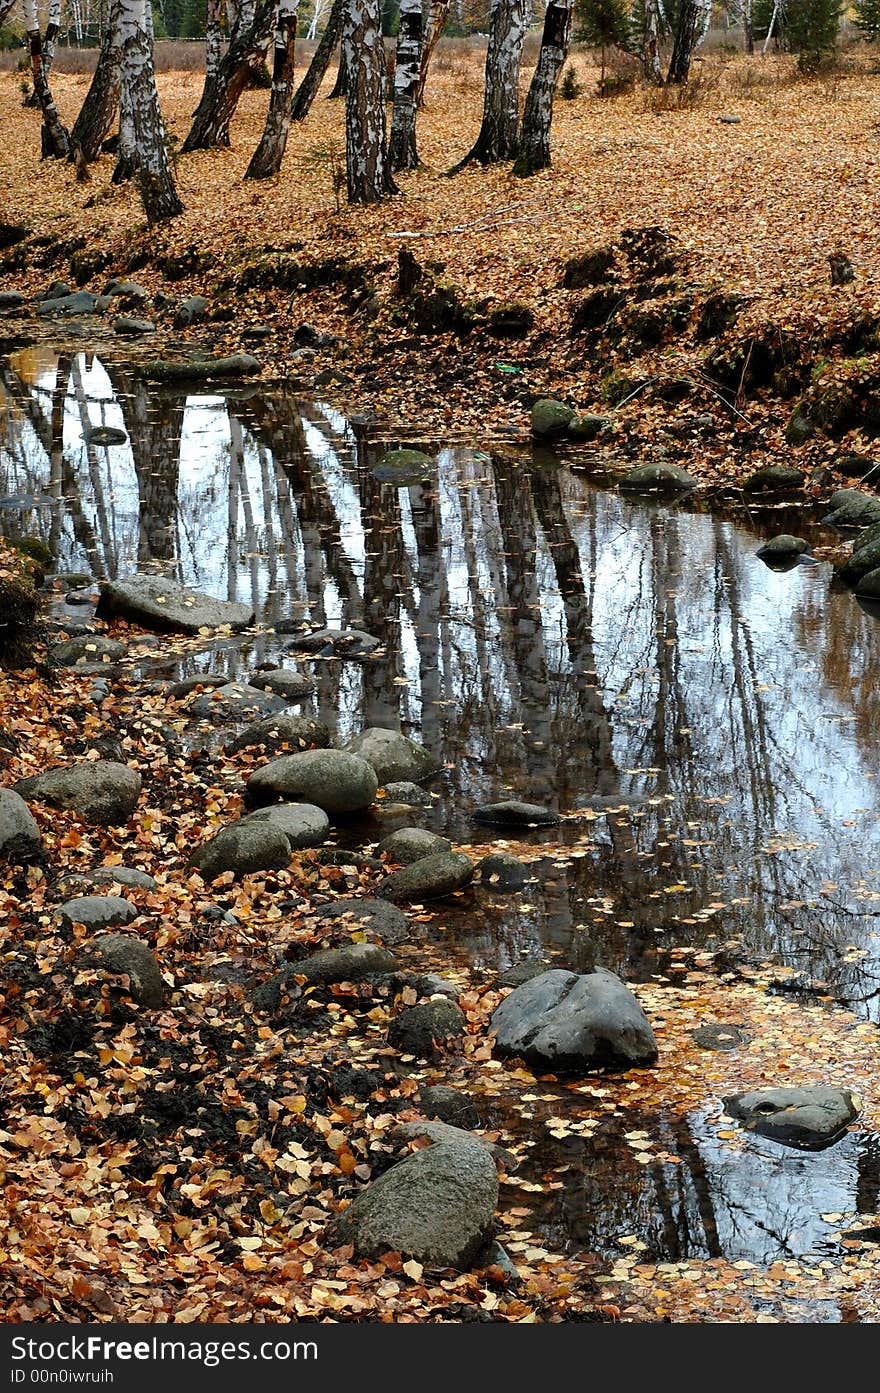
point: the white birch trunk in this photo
(158, 193)
(55, 140)
(213, 15)
(771, 28)
(366, 156)
(251, 34)
(402, 151)
(534, 149)
(267, 157)
(499, 131)
(651, 51)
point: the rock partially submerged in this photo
(429, 878)
(571, 1023)
(157, 603)
(784, 548)
(235, 701)
(409, 844)
(664, 480)
(512, 813)
(393, 756)
(333, 780)
(293, 733)
(808, 1118)
(353, 644)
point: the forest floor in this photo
(698, 346)
(182, 1164)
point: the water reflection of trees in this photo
(546, 638)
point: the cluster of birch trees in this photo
(124, 85)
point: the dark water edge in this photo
(711, 722)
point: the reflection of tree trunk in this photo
(56, 452)
(383, 567)
(692, 1158)
(425, 510)
(107, 545)
(154, 421)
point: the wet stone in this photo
(550, 419)
(523, 971)
(293, 734)
(288, 683)
(243, 847)
(105, 435)
(351, 963)
(515, 814)
(302, 824)
(424, 1028)
(407, 794)
(429, 878)
(130, 327)
(449, 1105)
(403, 467)
(89, 648)
(808, 1118)
(785, 547)
(501, 872)
(660, 479)
(351, 644)
(393, 756)
(157, 603)
(120, 953)
(235, 701)
(775, 478)
(719, 1037)
(376, 917)
(410, 844)
(570, 1023)
(334, 780)
(20, 839)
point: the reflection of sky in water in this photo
(747, 699)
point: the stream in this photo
(712, 721)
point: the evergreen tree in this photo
(603, 24)
(812, 27)
(867, 15)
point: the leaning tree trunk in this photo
(434, 22)
(402, 153)
(748, 26)
(366, 155)
(98, 111)
(653, 73)
(220, 97)
(267, 157)
(308, 88)
(6, 8)
(53, 24)
(158, 193)
(55, 140)
(340, 86)
(687, 35)
(534, 146)
(213, 18)
(499, 132)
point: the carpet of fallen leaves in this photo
(182, 1164)
(756, 205)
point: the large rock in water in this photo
(19, 833)
(852, 508)
(436, 1206)
(428, 879)
(809, 1118)
(862, 561)
(393, 756)
(565, 1022)
(550, 419)
(99, 791)
(235, 701)
(512, 813)
(303, 824)
(409, 844)
(333, 780)
(157, 603)
(662, 479)
(243, 848)
(775, 478)
(285, 682)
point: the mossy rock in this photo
(863, 561)
(200, 369)
(800, 427)
(774, 478)
(658, 479)
(18, 605)
(869, 585)
(589, 427)
(550, 419)
(37, 550)
(403, 467)
(785, 547)
(589, 268)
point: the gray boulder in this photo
(410, 844)
(378, 917)
(657, 479)
(243, 848)
(785, 547)
(512, 813)
(334, 780)
(129, 326)
(424, 1028)
(127, 876)
(78, 302)
(502, 872)
(118, 953)
(285, 682)
(100, 791)
(428, 879)
(332, 643)
(868, 585)
(808, 1118)
(97, 911)
(235, 701)
(11, 299)
(189, 310)
(350, 963)
(775, 478)
(19, 834)
(436, 1206)
(157, 603)
(392, 755)
(407, 793)
(565, 1022)
(439, 1132)
(522, 971)
(588, 426)
(852, 508)
(303, 824)
(87, 648)
(862, 561)
(550, 419)
(449, 1105)
(282, 732)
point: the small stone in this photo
(20, 839)
(407, 794)
(243, 848)
(282, 733)
(104, 792)
(449, 1105)
(120, 953)
(377, 917)
(303, 824)
(502, 872)
(334, 780)
(132, 327)
(393, 756)
(782, 548)
(288, 683)
(660, 479)
(97, 911)
(88, 648)
(808, 1118)
(193, 308)
(423, 1028)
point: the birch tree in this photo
(534, 146)
(653, 73)
(688, 32)
(141, 105)
(499, 130)
(98, 111)
(267, 157)
(402, 151)
(434, 15)
(213, 18)
(308, 88)
(249, 39)
(53, 24)
(55, 140)
(366, 153)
